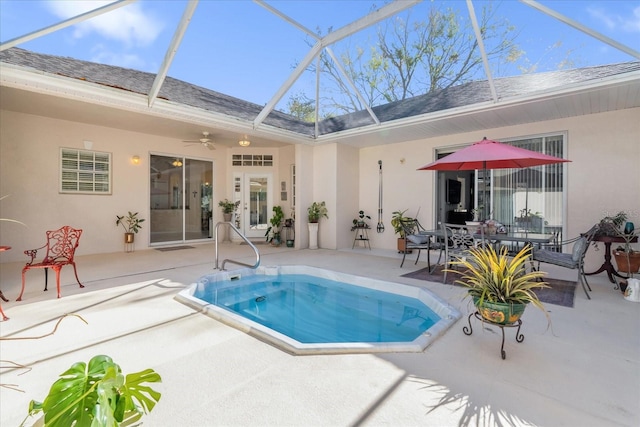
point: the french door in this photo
(180, 196)
(255, 193)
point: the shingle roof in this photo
(181, 92)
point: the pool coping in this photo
(449, 315)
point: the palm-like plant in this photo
(495, 277)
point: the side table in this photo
(362, 235)
(607, 266)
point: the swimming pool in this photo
(308, 310)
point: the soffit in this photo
(174, 121)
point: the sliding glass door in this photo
(528, 199)
(180, 193)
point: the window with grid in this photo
(83, 171)
(252, 160)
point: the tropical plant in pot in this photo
(316, 211)
(273, 232)
(228, 207)
(398, 221)
(130, 223)
(499, 285)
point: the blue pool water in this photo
(308, 310)
(311, 309)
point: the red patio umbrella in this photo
(488, 154)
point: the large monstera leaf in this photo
(98, 395)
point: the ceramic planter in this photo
(498, 312)
(313, 235)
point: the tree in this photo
(301, 107)
(411, 58)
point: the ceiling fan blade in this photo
(209, 145)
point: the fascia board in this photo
(94, 93)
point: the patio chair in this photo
(60, 249)
(414, 239)
(549, 254)
(458, 242)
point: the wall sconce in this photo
(244, 142)
(135, 160)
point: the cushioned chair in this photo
(60, 249)
(549, 254)
(415, 240)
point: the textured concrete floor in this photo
(584, 371)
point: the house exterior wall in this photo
(602, 178)
(29, 165)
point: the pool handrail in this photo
(243, 237)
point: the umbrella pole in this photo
(484, 191)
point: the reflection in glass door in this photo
(180, 199)
(198, 199)
(256, 202)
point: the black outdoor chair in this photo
(415, 239)
(457, 244)
(549, 254)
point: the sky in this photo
(241, 49)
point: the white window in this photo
(252, 160)
(83, 171)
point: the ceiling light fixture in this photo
(177, 163)
(244, 142)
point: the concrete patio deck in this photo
(585, 371)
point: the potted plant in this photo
(131, 224)
(316, 211)
(610, 225)
(360, 220)
(398, 220)
(228, 208)
(273, 232)
(476, 223)
(627, 259)
(98, 394)
(499, 285)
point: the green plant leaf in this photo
(139, 397)
(98, 395)
(72, 397)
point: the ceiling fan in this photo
(205, 141)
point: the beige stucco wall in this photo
(603, 178)
(29, 153)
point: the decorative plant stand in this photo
(517, 323)
(362, 235)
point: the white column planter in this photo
(313, 235)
